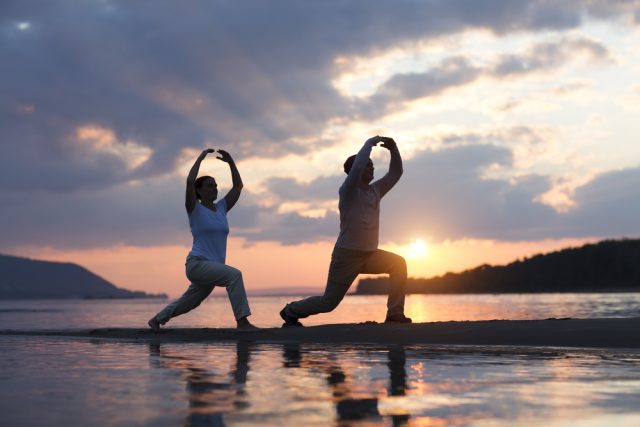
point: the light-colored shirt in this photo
(209, 230)
(360, 207)
(359, 218)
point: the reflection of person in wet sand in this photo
(356, 250)
(352, 404)
(348, 407)
(205, 264)
(212, 392)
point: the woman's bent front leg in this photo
(218, 274)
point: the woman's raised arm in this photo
(234, 194)
(190, 197)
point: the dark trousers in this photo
(345, 266)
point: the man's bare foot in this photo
(154, 324)
(245, 325)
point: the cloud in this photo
(446, 194)
(443, 194)
(292, 228)
(516, 135)
(100, 99)
(544, 56)
(98, 218)
(607, 206)
(452, 72)
(459, 71)
(146, 213)
(252, 75)
(320, 189)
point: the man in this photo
(356, 250)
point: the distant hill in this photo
(23, 278)
(607, 266)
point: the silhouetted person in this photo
(205, 264)
(356, 250)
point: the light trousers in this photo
(345, 266)
(204, 276)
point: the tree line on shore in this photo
(606, 266)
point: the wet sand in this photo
(599, 333)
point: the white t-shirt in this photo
(210, 230)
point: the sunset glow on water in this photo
(70, 382)
(215, 311)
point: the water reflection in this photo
(351, 404)
(71, 382)
(213, 392)
(287, 384)
(398, 379)
(69, 314)
(210, 393)
(347, 407)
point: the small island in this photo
(606, 266)
(24, 278)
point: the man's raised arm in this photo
(387, 182)
(360, 163)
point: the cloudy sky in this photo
(518, 122)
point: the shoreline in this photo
(301, 295)
(584, 333)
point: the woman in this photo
(205, 264)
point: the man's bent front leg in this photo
(395, 266)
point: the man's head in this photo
(349, 163)
(367, 174)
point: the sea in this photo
(86, 382)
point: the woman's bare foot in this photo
(154, 324)
(245, 325)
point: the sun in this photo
(417, 249)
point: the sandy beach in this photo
(597, 333)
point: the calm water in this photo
(83, 383)
(216, 312)
(74, 382)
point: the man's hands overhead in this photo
(388, 143)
